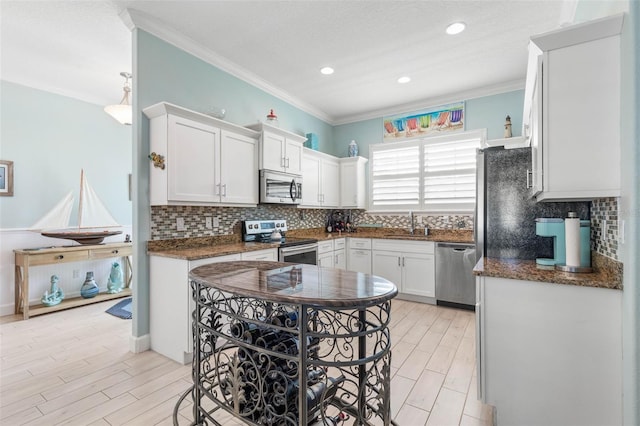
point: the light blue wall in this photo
(486, 112)
(50, 138)
(173, 75)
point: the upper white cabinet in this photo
(280, 150)
(206, 160)
(353, 190)
(572, 111)
(321, 179)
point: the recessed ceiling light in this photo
(326, 70)
(404, 79)
(456, 28)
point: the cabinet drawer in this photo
(106, 253)
(325, 246)
(427, 247)
(52, 258)
(360, 243)
(269, 254)
(339, 244)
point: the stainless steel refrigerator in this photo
(506, 211)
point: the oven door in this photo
(280, 188)
(307, 254)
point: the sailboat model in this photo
(93, 216)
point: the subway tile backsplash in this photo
(163, 221)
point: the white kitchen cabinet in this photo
(268, 254)
(408, 264)
(359, 255)
(280, 150)
(170, 292)
(325, 253)
(206, 160)
(549, 345)
(321, 179)
(353, 188)
(572, 111)
(332, 254)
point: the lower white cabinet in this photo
(332, 253)
(268, 254)
(359, 255)
(171, 305)
(410, 265)
(549, 354)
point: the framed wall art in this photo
(6, 178)
(448, 118)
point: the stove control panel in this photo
(255, 227)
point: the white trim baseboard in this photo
(139, 344)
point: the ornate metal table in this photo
(289, 344)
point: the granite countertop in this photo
(295, 283)
(205, 247)
(607, 272)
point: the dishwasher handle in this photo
(456, 246)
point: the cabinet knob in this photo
(115, 251)
(59, 257)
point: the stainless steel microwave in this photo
(280, 188)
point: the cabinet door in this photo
(326, 260)
(359, 261)
(340, 259)
(330, 186)
(581, 141)
(387, 264)
(193, 174)
(239, 169)
(418, 274)
(272, 152)
(311, 181)
(348, 188)
(293, 155)
(535, 127)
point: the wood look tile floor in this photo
(74, 368)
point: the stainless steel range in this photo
(295, 250)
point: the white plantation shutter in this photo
(435, 174)
(450, 175)
(395, 176)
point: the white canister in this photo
(572, 239)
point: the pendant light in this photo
(122, 112)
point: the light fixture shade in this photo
(122, 113)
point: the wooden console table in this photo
(26, 258)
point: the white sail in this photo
(93, 213)
(58, 217)
(93, 217)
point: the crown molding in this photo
(135, 19)
(496, 89)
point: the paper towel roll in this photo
(572, 240)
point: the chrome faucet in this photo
(411, 228)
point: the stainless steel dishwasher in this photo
(455, 283)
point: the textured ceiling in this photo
(78, 48)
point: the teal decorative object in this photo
(54, 295)
(89, 289)
(115, 284)
(312, 141)
(353, 149)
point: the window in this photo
(435, 174)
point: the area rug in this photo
(122, 309)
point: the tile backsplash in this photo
(603, 213)
(163, 219)
(604, 227)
